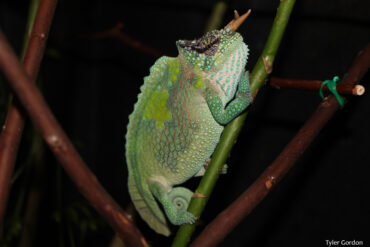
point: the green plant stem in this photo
(259, 73)
(217, 16)
(32, 12)
(229, 136)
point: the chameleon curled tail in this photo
(148, 208)
(180, 198)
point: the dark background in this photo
(92, 84)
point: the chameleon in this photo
(178, 120)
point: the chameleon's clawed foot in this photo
(186, 218)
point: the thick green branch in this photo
(231, 132)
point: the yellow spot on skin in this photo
(157, 108)
(174, 69)
(198, 84)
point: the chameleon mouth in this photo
(207, 45)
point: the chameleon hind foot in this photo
(185, 218)
(175, 201)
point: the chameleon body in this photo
(178, 119)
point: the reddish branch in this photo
(315, 85)
(12, 129)
(63, 149)
(226, 221)
(36, 191)
(116, 33)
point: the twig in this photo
(116, 242)
(225, 222)
(116, 33)
(315, 85)
(231, 131)
(12, 129)
(63, 149)
(130, 211)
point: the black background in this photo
(91, 85)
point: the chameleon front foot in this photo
(242, 99)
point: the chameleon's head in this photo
(211, 50)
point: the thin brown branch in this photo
(63, 149)
(226, 221)
(131, 212)
(116, 33)
(12, 129)
(314, 85)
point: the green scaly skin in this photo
(178, 119)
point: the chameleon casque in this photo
(178, 119)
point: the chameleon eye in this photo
(186, 44)
(207, 45)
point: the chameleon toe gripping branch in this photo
(178, 119)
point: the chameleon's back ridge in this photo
(177, 122)
(141, 196)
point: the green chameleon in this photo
(178, 119)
